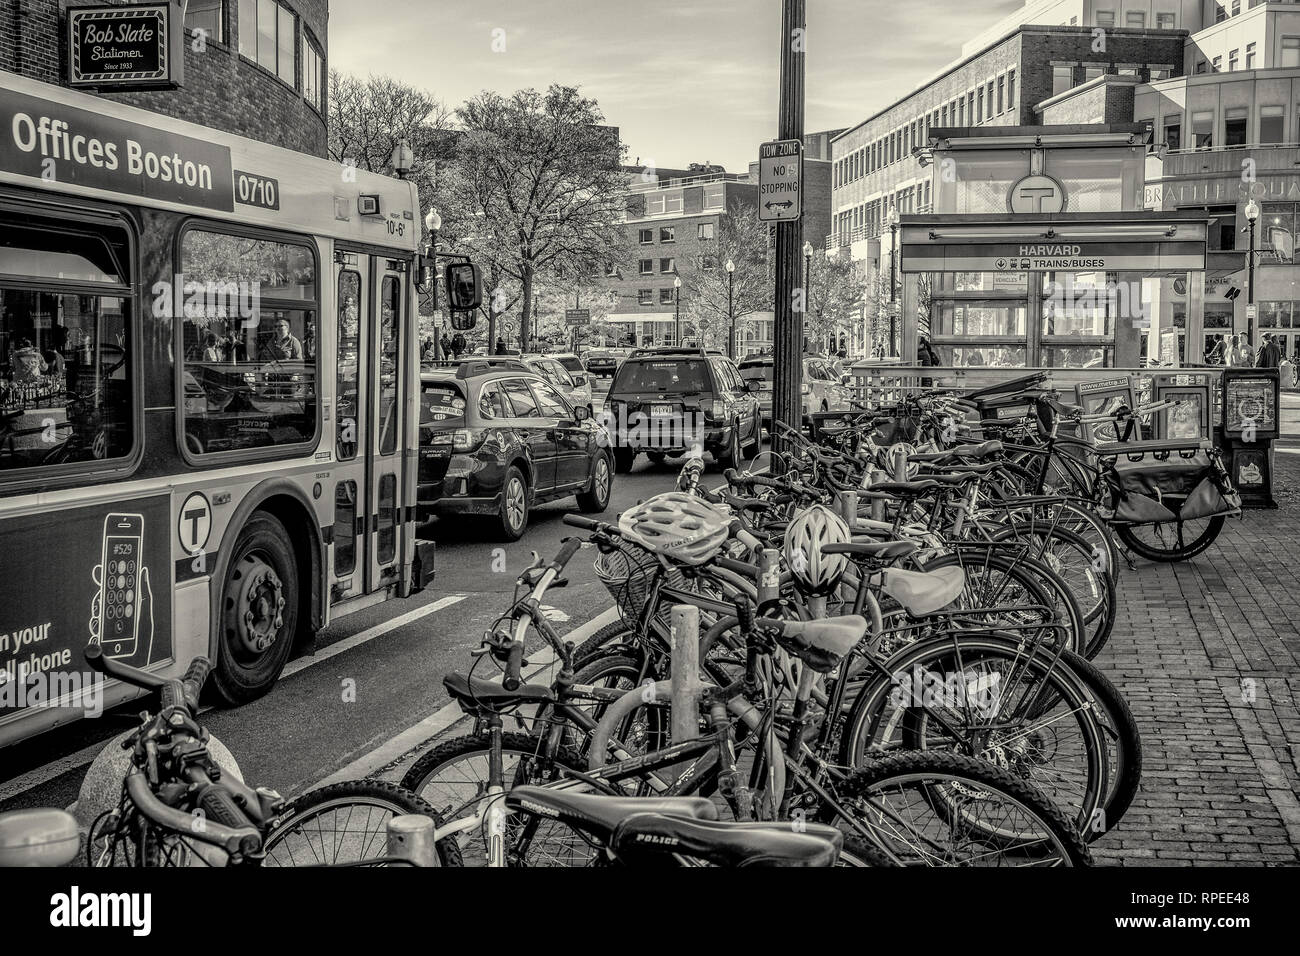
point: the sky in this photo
(684, 80)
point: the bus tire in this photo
(258, 614)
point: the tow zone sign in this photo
(780, 180)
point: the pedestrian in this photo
(1217, 354)
(458, 345)
(1242, 355)
(1269, 353)
(501, 345)
(285, 346)
(446, 345)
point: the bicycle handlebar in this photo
(242, 838)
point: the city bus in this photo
(208, 357)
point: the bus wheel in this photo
(259, 612)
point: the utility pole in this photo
(787, 331)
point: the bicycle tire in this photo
(352, 794)
(446, 754)
(609, 634)
(1171, 555)
(912, 767)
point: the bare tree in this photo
(743, 241)
(534, 190)
(834, 297)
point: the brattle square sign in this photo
(133, 46)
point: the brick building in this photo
(256, 68)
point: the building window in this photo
(1105, 18)
(704, 230)
(1062, 79)
(667, 266)
(667, 233)
(647, 267)
(1160, 73)
(1233, 59)
(1235, 122)
(1165, 21)
(207, 16)
(1250, 56)
(654, 205)
(673, 202)
(645, 296)
(1203, 129)
(665, 296)
(1236, 7)
(1272, 123)
(1220, 13)
(1200, 67)
(267, 36)
(1002, 93)
(1011, 89)
(1174, 130)
(714, 197)
(1136, 21)
(708, 263)
(979, 105)
(313, 75)
(1290, 51)
(1093, 72)
(646, 236)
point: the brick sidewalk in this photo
(1206, 653)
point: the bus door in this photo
(350, 478)
(385, 441)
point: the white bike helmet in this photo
(678, 526)
(814, 572)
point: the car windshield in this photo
(666, 376)
(442, 406)
(572, 363)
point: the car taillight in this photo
(805, 389)
(467, 439)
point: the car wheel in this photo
(624, 459)
(757, 445)
(596, 498)
(734, 456)
(657, 457)
(513, 515)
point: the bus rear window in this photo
(442, 406)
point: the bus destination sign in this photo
(62, 144)
(131, 46)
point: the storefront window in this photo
(965, 356)
(1235, 122)
(1272, 123)
(979, 318)
(1275, 315)
(1203, 129)
(1174, 130)
(249, 335)
(1078, 356)
(65, 344)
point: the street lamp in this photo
(402, 158)
(677, 304)
(432, 223)
(892, 219)
(731, 315)
(1252, 217)
(807, 293)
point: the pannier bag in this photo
(1177, 489)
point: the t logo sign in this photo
(194, 522)
(1037, 194)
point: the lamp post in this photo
(731, 314)
(807, 273)
(402, 158)
(1252, 320)
(677, 306)
(892, 219)
(432, 223)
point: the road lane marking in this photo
(82, 758)
(369, 634)
(437, 722)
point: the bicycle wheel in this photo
(453, 777)
(986, 696)
(614, 633)
(940, 809)
(346, 823)
(1170, 542)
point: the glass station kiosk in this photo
(1040, 255)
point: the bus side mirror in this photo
(464, 287)
(463, 321)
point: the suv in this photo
(555, 370)
(665, 401)
(821, 390)
(603, 361)
(497, 439)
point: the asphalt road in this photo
(374, 674)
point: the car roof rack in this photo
(672, 350)
(479, 365)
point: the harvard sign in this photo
(135, 46)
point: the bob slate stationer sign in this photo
(135, 46)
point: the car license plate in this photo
(660, 411)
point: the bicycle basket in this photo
(628, 573)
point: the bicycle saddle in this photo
(875, 551)
(982, 450)
(821, 644)
(924, 592)
(600, 815)
(472, 693)
(728, 844)
(904, 489)
(38, 837)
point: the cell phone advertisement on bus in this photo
(103, 579)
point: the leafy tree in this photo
(534, 190)
(743, 240)
(834, 298)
